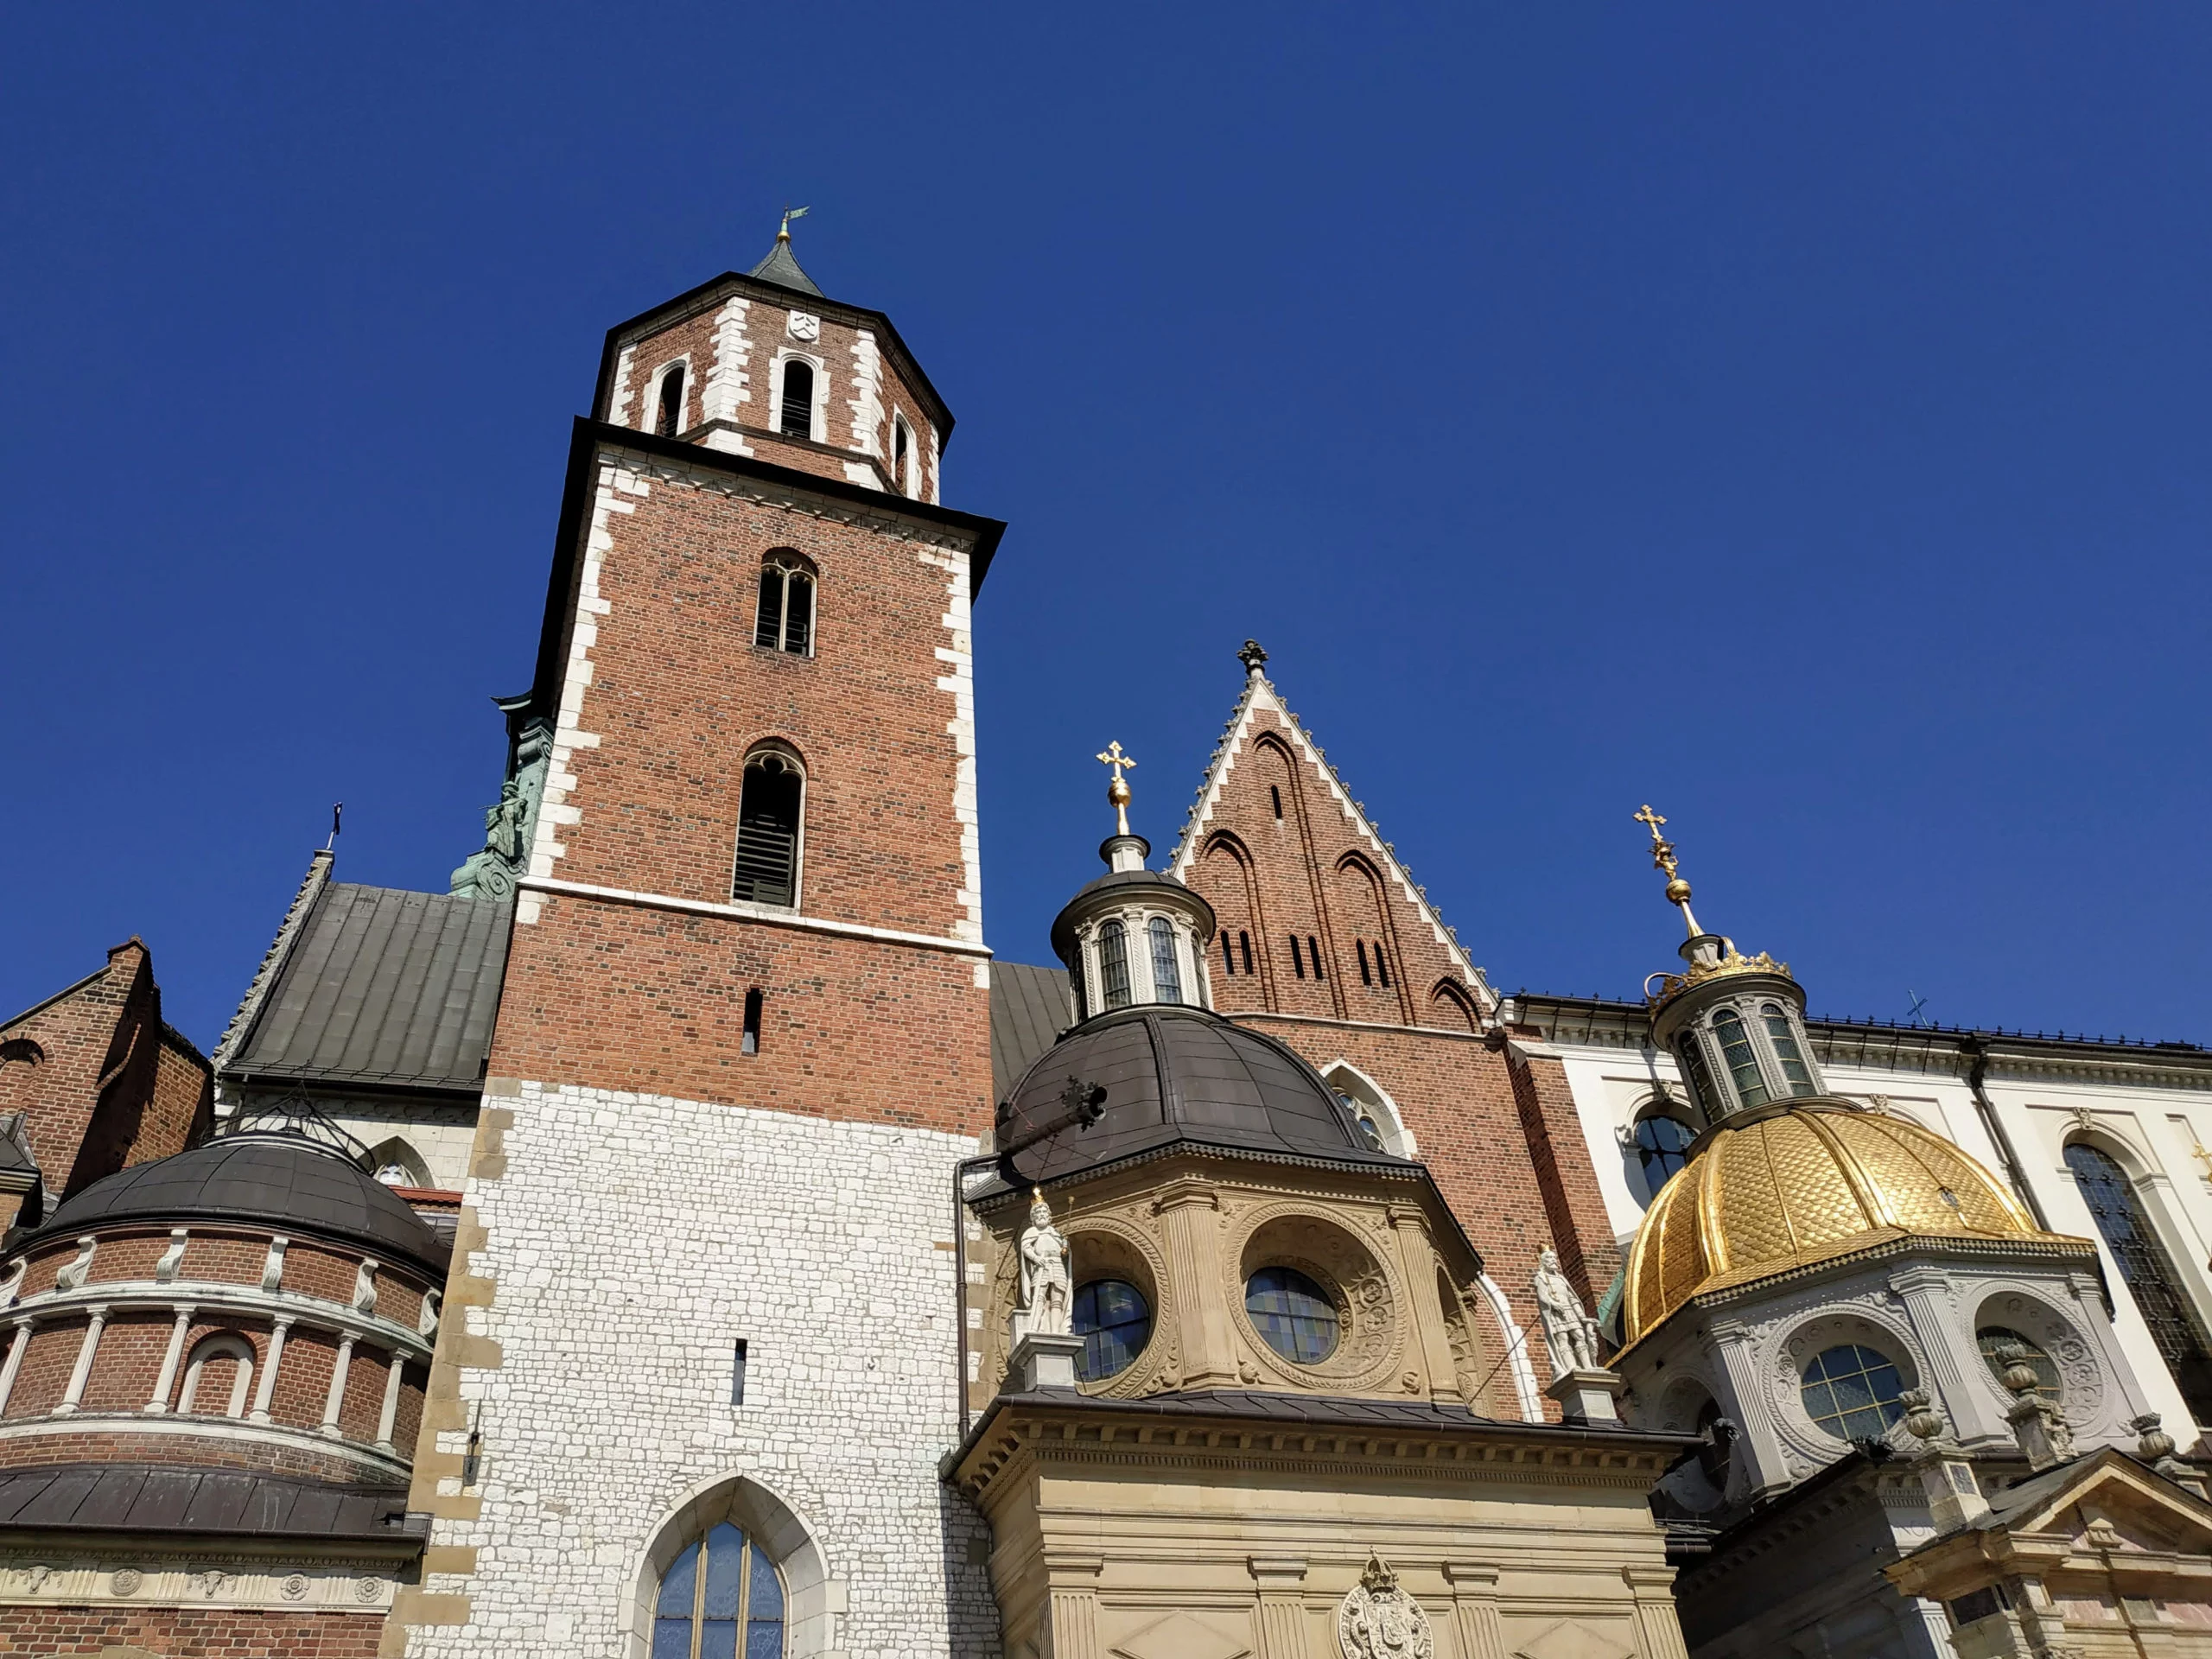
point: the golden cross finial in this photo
(1662, 850)
(1117, 792)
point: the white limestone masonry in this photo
(631, 1240)
(958, 681)
(728, 382)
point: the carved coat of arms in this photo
(1378, 1620)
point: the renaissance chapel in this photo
(687, 1238)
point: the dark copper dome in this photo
(1175, 1074)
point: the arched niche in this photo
(812, 1598)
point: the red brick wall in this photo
(761, 414)
(650, 1002)
(104, 1443)
(1501, 1141)
(636, 998)
(189, 1633)
(158, 1088)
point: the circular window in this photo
(1852, 1392)
(1114, 1322)
(1663, 1147)
(1293, 1316)
(1991, 1337)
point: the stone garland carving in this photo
(1378, 1620)
(1324, 1248)
(1866, 1318)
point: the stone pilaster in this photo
(1071, 1606)
(1417, 1260)
(1474, 1610)
(1658, 1632)
(81, 1372)
(1752, 1411)
(1925, 1292)
(1190, 1213)
(167, 1381)
(1280, 1580)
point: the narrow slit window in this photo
(737, 1365)
(1743, 1064)
(1297, 962)
(901, 445)
(1167, 972)
(1314, 949)
(1244, 948)
(1381, 965)
(1275, 795)
(798, 398)
(1113, 964)
(668, 420)
(768, 830)
(750, 1043)
(1360, 947)
(783, 618)
(1786, 1049)
(1227, 954)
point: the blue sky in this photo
(1794, 417)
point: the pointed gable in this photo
(1317, 916)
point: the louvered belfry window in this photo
(768, 830)
(784, 620)
(798, 398)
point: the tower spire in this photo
(781, 267)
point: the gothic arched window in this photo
(902, 456)
(668, 418)
(1167, 973)
(767, 829)
(798, 398)
(784, 620)
(1742, 1063)
(1113, 964)
(719, 1600)
(1784, 1039)
(2148, 1270)
(1662, 1146)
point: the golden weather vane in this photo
(789, 214)
(1117, 792)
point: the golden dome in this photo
(1791, 1189)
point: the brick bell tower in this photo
(706, 1246)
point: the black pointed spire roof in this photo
(781, 268)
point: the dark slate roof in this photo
(1030, 1007)
(781, 268)
(384, 989)
(283, 1183)
(155, 1498)
(1175, 1075)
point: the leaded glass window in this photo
(1692, 1055)
(1166, 975)
(1743, 1064)
(1113, 964)
(1662, 1146)
(2149, 1272)
(798, 398)
(1784, 1039)
(1114, 1322)
(784, 620)
(1852, 1391)
(1293, 1316)
(719, 1591)
(767, 831)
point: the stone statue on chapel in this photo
(1569, 1331)
(1046, 1305)
(503, 822)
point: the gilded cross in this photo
(1662, 850)
(1117, 792)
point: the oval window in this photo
(1114, 1322)
(1295, 1316)
(1852, 1391)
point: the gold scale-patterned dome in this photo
(1806, 1184)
